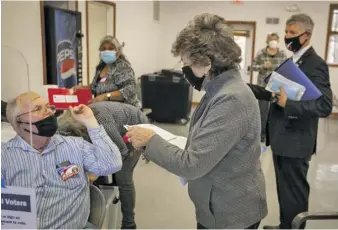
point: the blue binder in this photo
(290, 70)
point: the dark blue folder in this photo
(290, 70)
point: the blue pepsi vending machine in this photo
(63, 47)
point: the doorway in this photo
(245, 37)
(100, 20)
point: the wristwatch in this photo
(108, 95)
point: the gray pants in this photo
(125, 182)
(264, 110)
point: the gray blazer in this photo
(221, 158)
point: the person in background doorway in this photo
(114, 78)
(221, 160)
(267, 59)
(113, 116)
(293, 125)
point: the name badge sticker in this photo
(67, 172)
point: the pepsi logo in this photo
(64, 54)
(67, 68)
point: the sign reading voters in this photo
(18, 208)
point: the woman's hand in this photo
(139, 137)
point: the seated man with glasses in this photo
(113, 116)
(54, 165)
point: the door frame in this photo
(87, 29)
(254, 25)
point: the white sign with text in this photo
(18, 208)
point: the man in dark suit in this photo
(292, 125)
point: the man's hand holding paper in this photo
(282, 97)
(293, 90)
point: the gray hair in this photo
(12, 111)
(207, 39)
(68, 126)
(272, 34)
(304, 20)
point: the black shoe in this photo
(131, 227)
(270, 227)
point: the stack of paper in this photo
(161, 132)
(293, 90)
(298, 86)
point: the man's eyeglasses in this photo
(41, 109)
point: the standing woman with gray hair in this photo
(221, 158)
(114, 78)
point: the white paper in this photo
(293, 90)
(18, 208)
(161, 132)
(180, 142)
(59, 98)
(71, 98)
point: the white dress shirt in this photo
(296, 56)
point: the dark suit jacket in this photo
(292, 131)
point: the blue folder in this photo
(290, 70)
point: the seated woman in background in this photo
(114, 78)
(221, 158)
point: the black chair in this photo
(304, 216)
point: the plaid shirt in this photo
(258, 64)
(113, 116)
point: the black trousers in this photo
(264, 111)
(254, 226)
(293, 190)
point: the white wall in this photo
(21, 28)
(175, 15)
(137, 29)
(148, 42)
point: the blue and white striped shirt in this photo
(60, 204)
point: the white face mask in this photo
(273, 44)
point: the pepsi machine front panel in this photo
(63, 47)
(66, 46)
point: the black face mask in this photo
(46, 127)
(194, 81)
(293, 44)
